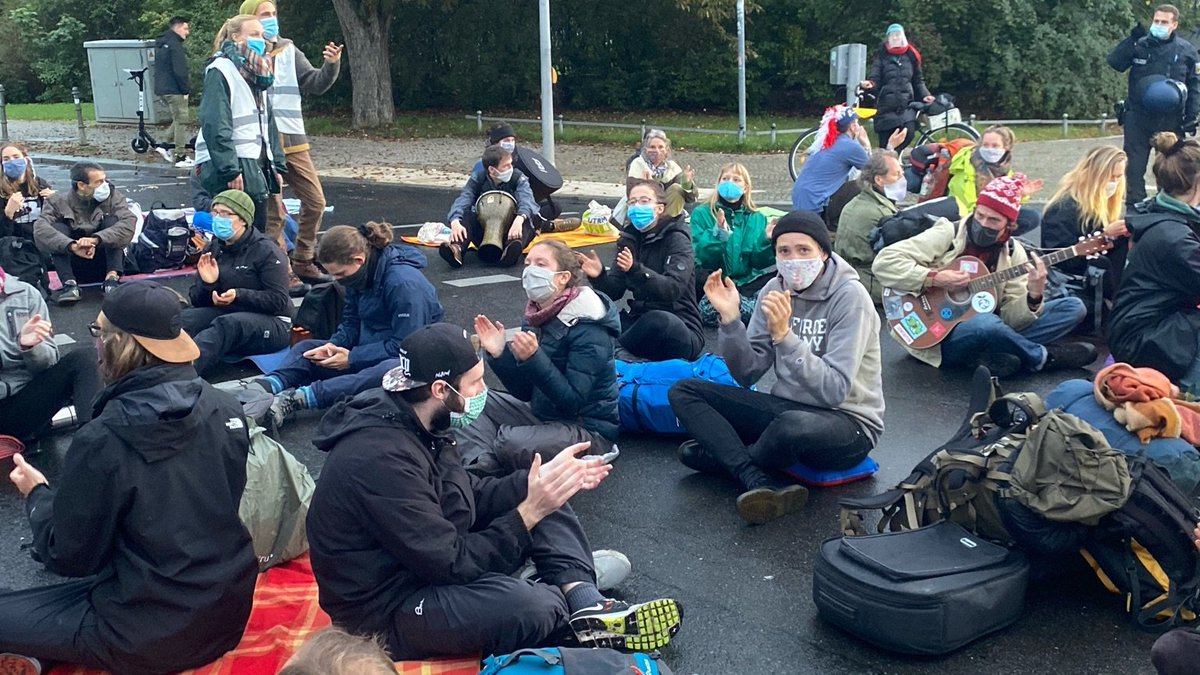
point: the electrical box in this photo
(848, 67)
(113, 92)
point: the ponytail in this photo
(341, 243)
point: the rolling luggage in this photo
(926, 591)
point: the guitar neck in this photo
(996, 278)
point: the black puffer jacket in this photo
(395, 511)
(1155, 321)
(663, 275)
(148, 503)
(898, 82)
(254, 266)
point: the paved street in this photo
(746, 590)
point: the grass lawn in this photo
(440, 124)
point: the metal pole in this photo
(547, 85)
(1103, 122)
(773, 133)
(741, 60)
(479, 119)
(971, 120)
(1066, 128)
(79, 115)
(3, 116)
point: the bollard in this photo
(1066, 127)
(1103, 123)
(3, 116)
(79, 115)
(971, 120)
(479, 119)
(560, 125)
(773, 126)
(643, 128)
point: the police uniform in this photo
(1149, 62)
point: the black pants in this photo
(114, 258)
(752, 433)
(475, 230)
(74, 379)
(885, 133)
(496, 613)
(1139, 128)
(507, 435)
(57, 623)
(1176, 652)
(260, 213)
(219, 334)
(659, 335)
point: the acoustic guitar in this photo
(924, 319)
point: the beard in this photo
(441, 418)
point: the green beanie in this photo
(251, 6)
(239, 202)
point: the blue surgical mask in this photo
(1160, 32)
(730, 191)
(270, 27)
(641, 215)
(257, 45)
(15, 168)
(222, 228)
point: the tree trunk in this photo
(367, 34)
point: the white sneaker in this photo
(185, 163)
(612, 567)
(162, 152)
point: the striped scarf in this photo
(258, 71)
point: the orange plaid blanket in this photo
(574, 239)
(285, 614)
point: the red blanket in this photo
(285, 614)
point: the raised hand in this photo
(897, 138)
(777, 306)
(724, 297)
(590, 263)
(624, 260)
(35, 331)
(332, 52)
(207, 269)
(552, 484)
(524, 345)
(491, 335)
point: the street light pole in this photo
(547, 83)
(741, 28)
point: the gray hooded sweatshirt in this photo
(18, 303)
(830, 360)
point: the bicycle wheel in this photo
(951, 132)
(799, 152)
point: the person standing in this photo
(897, 81)
(171, 85)
(1164, 90)
(294, 77)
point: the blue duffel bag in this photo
(643, 388)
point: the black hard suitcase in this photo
(927, 591)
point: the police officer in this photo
(1164, 90)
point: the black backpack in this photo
(20, 258)
(912, 221)
(321, 311)
(1147, 542)
(164, 243)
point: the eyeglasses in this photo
(645, 201)
(94, 329)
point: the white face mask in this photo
(799, 274)
(992, 155)
(508, 145)
(1110, 188)
(102, 192)
(538, 283)
(504, 176)
(896, 191)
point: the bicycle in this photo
(935, 127)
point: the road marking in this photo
(62, 339)
(482, 281)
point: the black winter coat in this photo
(663, 275)
(1061, 228)
(572, 376)
(147, 504)
(170, 65)
(253, 265)
(898, 81)
(1155, 321)
(1148, 59)
(395, 511)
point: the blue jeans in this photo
(329, 385)
(989, 333)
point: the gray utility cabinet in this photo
(115, 95)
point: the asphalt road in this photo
(747, 590)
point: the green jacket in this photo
(216, 121)
(745, 256)
(861, 215)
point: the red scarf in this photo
(898, 51)
(538, 316)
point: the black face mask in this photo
(358, 280)
(981, 236)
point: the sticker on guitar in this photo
(983, 302)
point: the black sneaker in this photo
(511, 254)
(619, 625)
(999, 364)
(67, 295)
(697, 458)
(452, 254)
(110, 285)
(1066, 355)
(764, 504)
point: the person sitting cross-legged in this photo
(409, 546)
(1021, 333)
(816, 326)
(497, 174)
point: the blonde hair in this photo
(27, 184)
(747, 197)
(1086, 182)
(1007, 137)
(121, 354)
(232, 26)
(335, 652)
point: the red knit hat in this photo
(1003, 195)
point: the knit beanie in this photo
(1003, 195)
(239, 202)
(803, 222)
(894, 28)
(251, 6)
(501, 130)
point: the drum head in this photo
(497, 206)
(544, 179)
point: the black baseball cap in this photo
(439, 351)
(153, 315)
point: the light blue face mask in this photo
(257, 45)
(1160, 32)
(15, 168)
(641, 215)
(222, 228)
(730, 191)
(270, 27)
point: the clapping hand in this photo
(491, 335)
(625, 260)
(35, 331)
(689, 174)
(777, 306)
(724, 297)
(1030, 187)
(721, 223)
(552, 484)
(524, 345)
(590, 263)
(207, 269)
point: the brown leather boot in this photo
(296, 287)
(307, 270)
